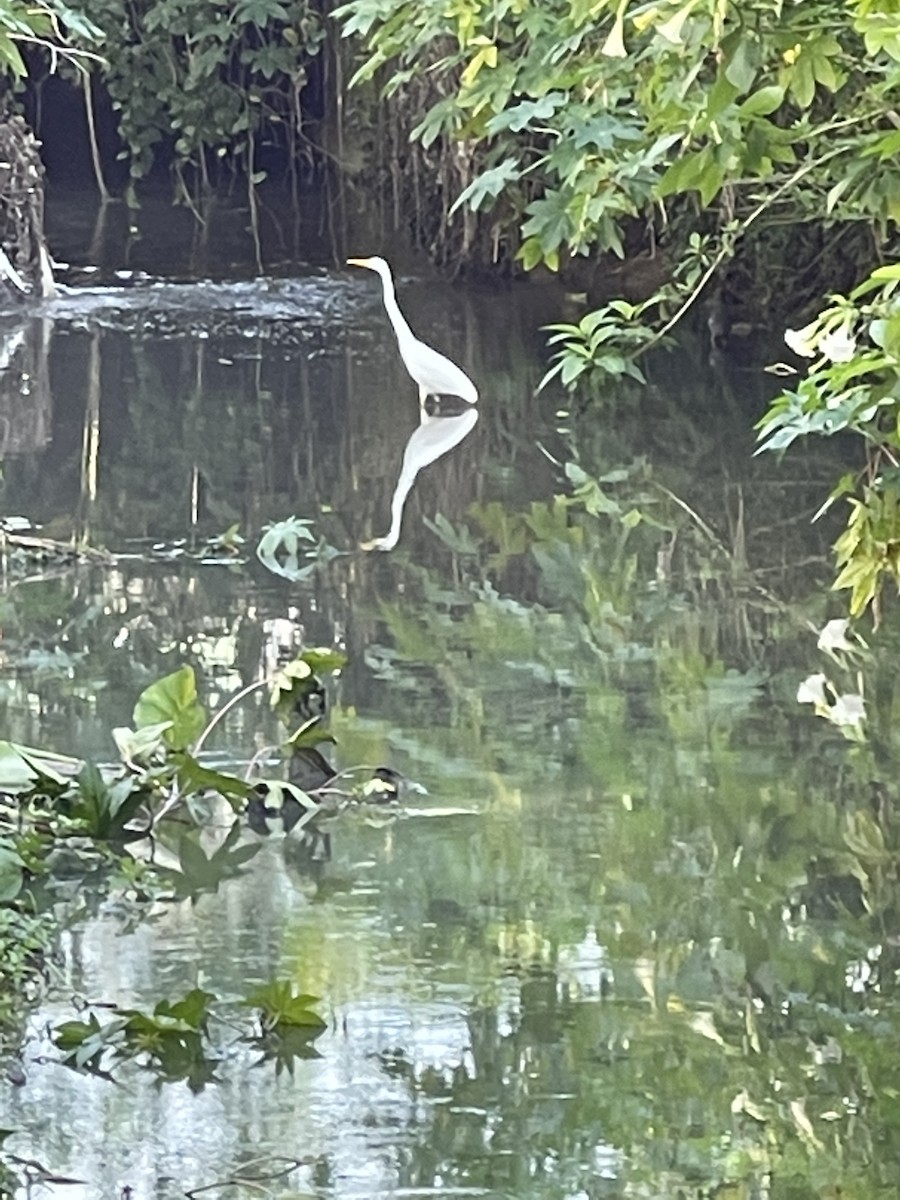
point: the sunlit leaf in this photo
(137, 745)
(324, 658)
(172, 699)
(763, 102)
(16, 773)
(192, 1008)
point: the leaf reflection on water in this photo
(442, 426)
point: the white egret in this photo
(432, 371)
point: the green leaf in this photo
(721, 97)
(324, 658)
(488, 185)
(16, 773)
(763, 102)
(802, 84)
(845, 485)
(685, 173)
(94, 799)
(106, 808)
(743, 64)
(550, 220)
(10, 55)
(521, 115)
(48, 764)
(11, 872)
(194, 777)
(280, 1005)
(437, 120)
(202, 873)
(530, 253)
(69, 1034)
(192, 1009)
(310, 733)
(711, 182)
(458, 539)
(77, 23)
(485, 56)
(172, 699)
(137, 745)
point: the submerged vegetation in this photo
(175, 1041)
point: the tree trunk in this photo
(24, 261)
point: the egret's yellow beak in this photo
(357, 262)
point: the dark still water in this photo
(635, 938)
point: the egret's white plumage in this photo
(432, 371)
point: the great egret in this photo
(434, 374)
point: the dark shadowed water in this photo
(604, 952)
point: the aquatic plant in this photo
(174, 1040)
(60, 817)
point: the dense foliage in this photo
(205, 82)
(853, 386)
(49, 24)
(579, 120)
(194, 84)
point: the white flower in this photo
(802, 341)
(848, 710)
(834, 636)
(838, 346)
(812, 691)
(614, 46)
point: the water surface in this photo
(600, 955)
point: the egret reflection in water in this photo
(443, 423)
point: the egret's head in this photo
(374, 264)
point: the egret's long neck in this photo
(395, 316)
